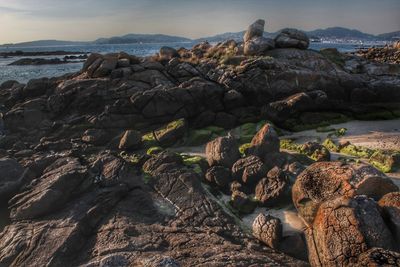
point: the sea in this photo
(23, 74)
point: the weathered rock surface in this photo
(222, 151)
(343, 229)
(273, 189)
(268, 230)
(265, 142)
(249, 170)
(130, 140)
(324, 180)
(390, 203)
(86, 203)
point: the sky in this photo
(86, 20)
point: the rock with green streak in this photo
(197, 163)
(243, 148)
(149, 140)
(385, 161)
(171, 133)
(154, 150)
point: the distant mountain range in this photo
(333, 33)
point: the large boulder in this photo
(167, 53)
(254, 30)
(324, 180)
(258, 46)
(292, 38)
(268, 229)
(343, 229)
(265, 142)
(222, 151)
(390, 204)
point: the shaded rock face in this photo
(255, 30)
(325, 180)
(292, 38)
(219, 175)
(390, 203)
(130, 140)
(268, 230)
(12, 177)
(343, 229)
(107, 216)
(222, 151)
(167, 53)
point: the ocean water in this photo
(25, 73)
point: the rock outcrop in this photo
(87, 176)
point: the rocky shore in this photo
(47, 61)
(89, 175)
(387, 54)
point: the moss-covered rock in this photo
(331, 145)
(197, 163)
(356, 151)
(202, 136)
(385, 161)
(378, 115)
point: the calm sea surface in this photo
(25, 73)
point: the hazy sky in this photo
(26, 20)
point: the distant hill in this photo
(324, 34)
(341, 33)
(142, 38)
(42, 43)
(390, 36)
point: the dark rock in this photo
(268, 229)
(324, 180)
(97, 137)
(106, 67)
(242, 202)
(265, 142)
(258, 46)
(390, 203)
(219, 175)
(254, 30)
(274, 189)
(233, 99)
(292, 38)
(295, 246)
(171, 133)
(12, 177)
(167, 53)
(377, 257)
(58, 183)
(222, 151)
(225, 120)
(249, 170)
(131, 140)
